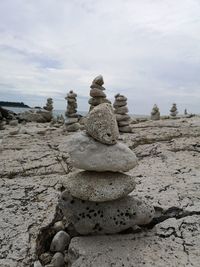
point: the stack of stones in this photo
(155, 113)
(71, 122)
(96, 92)
(1, 122)
(173, 111)
(121, 110)
(97, 200)
(49, 104)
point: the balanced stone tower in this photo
(1, 122)
(173, 110)
(71, 122)
(121, 110)
(155, 113)
(96, 92)
(49, 104)
(97, 200)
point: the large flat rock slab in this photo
(172, 243)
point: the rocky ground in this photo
(32, 169)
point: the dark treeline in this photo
(13, 104)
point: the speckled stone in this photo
(88, 154)
(99, 187)
(125, 129)
(122, 117)
(102, 125)
(106, 217)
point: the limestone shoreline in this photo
(32, 170)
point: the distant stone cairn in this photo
(71, 122)
(49, 104)
(173, 110)
(121, 110)
(155, 113)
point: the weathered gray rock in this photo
(94, 92)
(123, 123)
(69, 121)
(35, 115)
(13, 123)
(60, 242)
(125, 129)
(121, 110)
(99, 80)
(72, 127)
(88, 154)
(105, 217)
(122, 117)
(58, 260)
(118, 103)
(102, 125)
(99, 187)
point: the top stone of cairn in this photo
(99, 80)
(102, 125)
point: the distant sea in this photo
(59, 112)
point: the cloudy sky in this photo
(148, 50)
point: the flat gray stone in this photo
(122, 117)
(69, 121)
(72, 127)
(123, 123)
(95, 92)
(102, 125)
(88, 154)
(125, 129)
(99, 187)
(121, 110)
(109, 217)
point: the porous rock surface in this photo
(98, 186)
(102, 125)
(32, 165)
(88, 154)
(105, 217)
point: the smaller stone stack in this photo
(49, 104)
(121, 110)
(1, 122)
(96, 92)
(97, 200)
(173, 111)
(155, 113)
(71, 122)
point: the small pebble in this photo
(45, 258)
(60, 242)
(58, 226)
(58, 260)
(37, 264)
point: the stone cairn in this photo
(121, 110)
(49, 104)
(97, 200)
(1, 122)
(173, 111)
(71, 122)
(155, 113)
(96, 92)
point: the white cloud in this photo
(146, 49)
